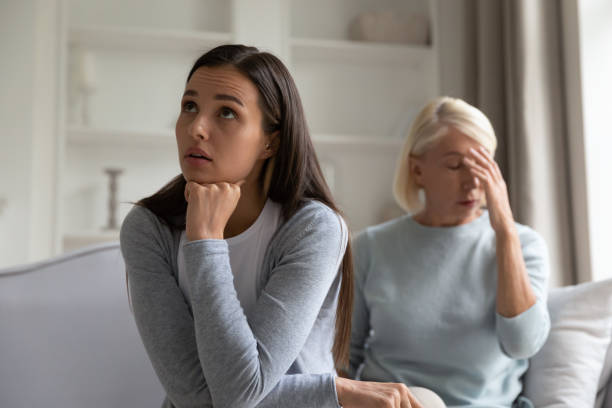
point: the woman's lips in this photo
(197, 161)
(195, 156)
(468, 203)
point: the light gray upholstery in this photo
(68, 338)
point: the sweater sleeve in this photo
(161, 312)
(360, 326)
(176, 347)
(242, 363)
(523, 335)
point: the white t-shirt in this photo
(246, 252)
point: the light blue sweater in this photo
(208, 351)
(424, 311)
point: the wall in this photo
(27, 128)
(16, 125)
(595, 47)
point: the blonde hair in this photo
(428, 127)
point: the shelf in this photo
(146, 39)
(358, 142)
(306, 49)
(84, 136)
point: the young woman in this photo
(239, 270)
(452, 297)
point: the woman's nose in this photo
(199, 128)
(471, 182)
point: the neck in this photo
(250, 205)
(431, 218)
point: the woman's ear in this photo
(416, 169)
(271, 145)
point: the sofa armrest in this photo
(68, 336)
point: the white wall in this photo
(595, 44)
(16, 125)
(27, 129)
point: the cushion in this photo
(567, 370)
(605, 383)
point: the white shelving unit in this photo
(88, 136)
(345, 51)
(134, 39)
(359, 97)
(115, 138)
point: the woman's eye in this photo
(227, 113)
(454, 166)
(189, 106)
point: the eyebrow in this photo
(219, 97)
(452, 153)
(224, 97)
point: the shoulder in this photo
(530, 238)
(314, 223)
(389, 230)
(139, 220)
(374, 243)
(142, 228)
(316, 216)
(535, 252)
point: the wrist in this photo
(506, 230)
(343, 386)
(197, 236)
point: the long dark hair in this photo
(290, 177)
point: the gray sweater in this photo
(209, 352)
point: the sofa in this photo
(68, 339)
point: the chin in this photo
(198, 178)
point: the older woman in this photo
(451, 297)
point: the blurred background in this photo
(91, 91)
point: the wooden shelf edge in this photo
(162, 137)
(84, 136)
(358, 141)
(117, 38)
(306, 49)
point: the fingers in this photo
(358, 394)
(479, 161)
(404, 401)
(191, 185)
(414, 402)
(483, 157)
(477, 170)
(188, 187)
(407, 399)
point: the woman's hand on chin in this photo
(365, 394)
(209, 207)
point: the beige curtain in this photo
(514, 67)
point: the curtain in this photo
(515, 75)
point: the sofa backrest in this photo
(68, 338)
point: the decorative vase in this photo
(385, 26)
(113, 174)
